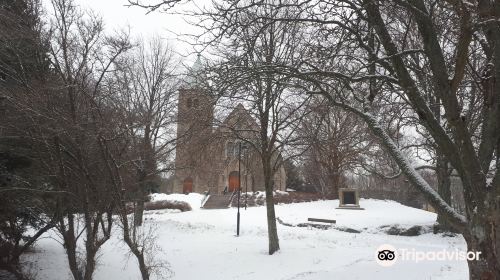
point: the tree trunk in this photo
(139, 255)
(484, 237)
(139, 208)
(134, 247)
(335, 181)
(142, 266)
(442, 170)
(71, 247)
(444, 189)
(90, 264)
(144, 173)
(73, 264)
(93, 242)
(272, 230)
(139, 211)
(271, 223)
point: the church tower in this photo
(195, 111)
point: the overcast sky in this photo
(118, 15)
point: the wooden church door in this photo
(187, 187)
(234, 181)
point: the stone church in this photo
(213, 158)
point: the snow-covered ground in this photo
(201, 244)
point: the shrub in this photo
(168, 204)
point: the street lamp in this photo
(239, 189)
(239, 185)
(246, 179)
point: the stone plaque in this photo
(349, 199)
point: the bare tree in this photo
(338, 143)
(76, 112)
(86, 139)
(274, 102)
(147, 83)
(143, 88)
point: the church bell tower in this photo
(195, 111)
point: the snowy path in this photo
(201, 245)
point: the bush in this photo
(168, 204)
(258, 198)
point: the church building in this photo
(213, 158)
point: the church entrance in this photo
(234, 181)
(187, 186)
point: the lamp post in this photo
(246, 179)
(239, 187)
(239, 190)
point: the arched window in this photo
(233, 149)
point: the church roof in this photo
(239, 116)
(194, 74)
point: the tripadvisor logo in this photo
(387, 255)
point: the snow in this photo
(281, 192)
(201, 244)
(377, 213)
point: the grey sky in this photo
(117, 15)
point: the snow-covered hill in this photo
(201, 244)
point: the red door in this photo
(187, 187)
(234, 181)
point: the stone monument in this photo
(349, 199)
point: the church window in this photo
(233, 149)
(189, 102)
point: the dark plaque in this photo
(349, 197)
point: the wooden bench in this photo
(321, 220)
